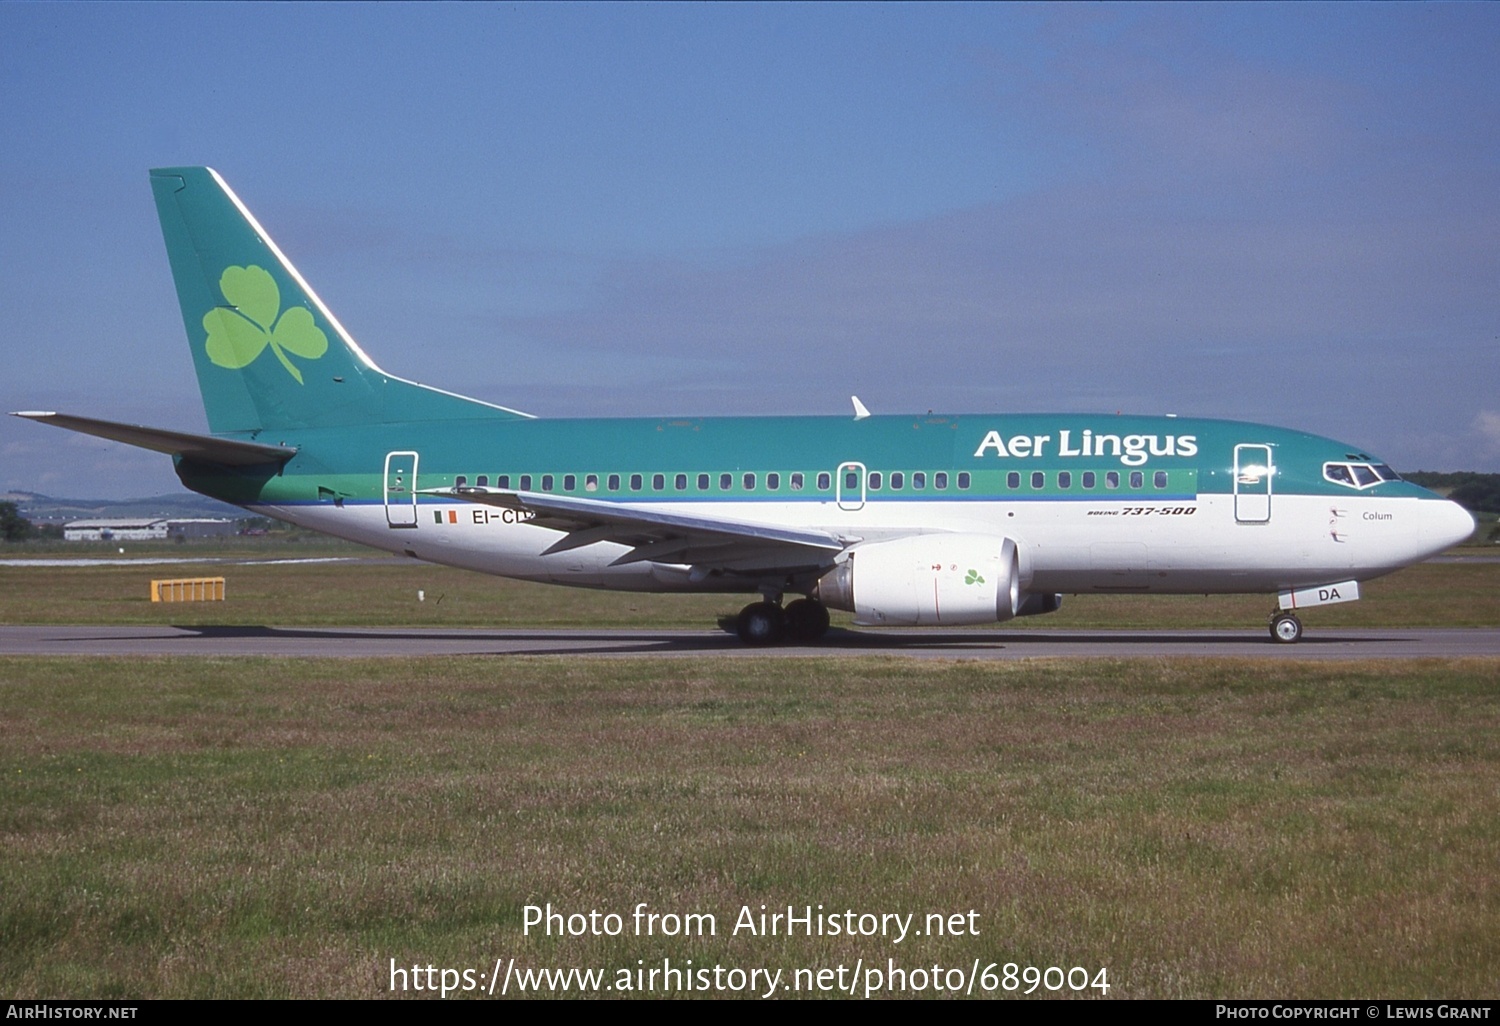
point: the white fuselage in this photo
(1187, 546)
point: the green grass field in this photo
(278, 828)
(285, 828)
(1463, 594)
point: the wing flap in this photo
(658, 535)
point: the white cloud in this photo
(1487, 426)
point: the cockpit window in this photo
(1338, 473)
(1358, 475)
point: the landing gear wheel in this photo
(1286, 629)
(806, 620)
(761, 623)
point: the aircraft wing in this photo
(656, 535)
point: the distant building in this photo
(147, 529)
(118, 529)
(200, 527)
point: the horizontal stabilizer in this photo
(204, 448)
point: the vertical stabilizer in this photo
(268, 353)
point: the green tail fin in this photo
(268, 353)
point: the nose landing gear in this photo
(1286, 629)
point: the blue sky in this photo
(1279, 213)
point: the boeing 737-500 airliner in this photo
(903, 520)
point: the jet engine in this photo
(1038, 603)
(933, 579)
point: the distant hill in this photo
(44, 509)
(1479, 493)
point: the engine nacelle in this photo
(927, 580)
(1036, 604)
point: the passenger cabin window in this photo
(726, 482)
(1064, 479)
(703, 482)
(918, 479)
(1112, 479)
(1013, 480)
(614, 482)
(797, 480)
(680, 482)
(825, 481)
(1038, 479)
(963, 479)
(591, 483)
(851, 479)
(547, 481)
(1159, 479)
(874, 478)
(525, 482)
(1089, 479)
(635, 482)
(940, 481)
(898, 480)
(460, 481)
(1137, 479)
(773, 481)
(570, 482)
(658, 482)
(483, 481)
(502, 480)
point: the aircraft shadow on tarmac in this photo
(838, 640)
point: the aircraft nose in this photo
(1445, 524)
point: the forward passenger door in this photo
(1253, 473)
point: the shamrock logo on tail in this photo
(239, 332)
(973, 578)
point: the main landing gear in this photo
(1286, 629)
(766, 623)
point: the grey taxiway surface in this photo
(354, 642)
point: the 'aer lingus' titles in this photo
(1131, 450)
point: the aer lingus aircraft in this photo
(903, 520)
